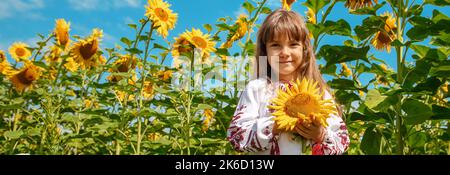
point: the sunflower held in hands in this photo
(301, 102)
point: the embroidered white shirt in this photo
(251, 127)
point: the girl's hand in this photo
(313, 131)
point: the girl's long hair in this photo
(288, 23)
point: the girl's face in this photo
(287, 54)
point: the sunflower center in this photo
(88, 50)
(63, 38)
(2, 57)
(302, 103)
(384, 38)
(27, 76)
(200, 42)
(20, 52)
(162, 14)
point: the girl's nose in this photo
(284, 52)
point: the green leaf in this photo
(316, 5)
(419, 20)
(133, 26)
(370, 25)
(344, 84)
(344, 97)
(374, 98)
(417, 112)
(13, 134)
(441, 40)
(14, 106)
(438, 2)
(418, 33)
(438, 16)
(340, 54)
(440, 113)
(126, 41)
(266, 10)
(208, 27)
(33, 132)
(223, 26)
(428, 53)
(204, 106)
(341, 27)
(134, 51)
(329, 69)
(162, 91)
(442, 70)
(429, 86)
(417, 74)
(415, 10)
(157, 46)
(418, 139)
(371, 141)
(249, 7)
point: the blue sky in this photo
(22, 20)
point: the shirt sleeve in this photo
(336, 140)
(248, 131)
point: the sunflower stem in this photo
(41, 47)
(143, 75)
(328, 11)
(399, 49)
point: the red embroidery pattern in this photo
(334, 145)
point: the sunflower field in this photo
(70, 96)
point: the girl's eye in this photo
(274, 45)
(295, 44)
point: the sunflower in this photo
(147, 92)
(345, 70)
(181, 46)
(164, 75)
(26, 77)
(158, 11)
(55, 55)
(154, 136)
(301, 102)
(311, 15)
(91, 103)
(356, 4)
(381, 80)
(123, 64)
(209, 114)
(71, 65)
(287, 4)
(384, 38)
(2, 57)
(4, 64)
(242, 29)
(121, 95)
(62, 32)
(202, 42)
(84, 51)
(19, 51)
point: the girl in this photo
(284, 39)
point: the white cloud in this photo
(9, 8)
(86, 5)
(109, 40)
